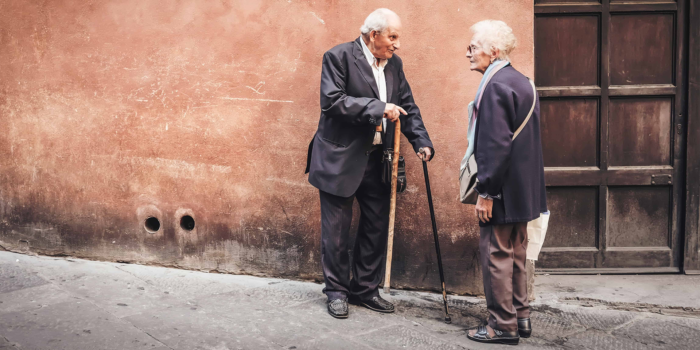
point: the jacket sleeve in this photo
(412, 124)
(494, 139)
(335, 102)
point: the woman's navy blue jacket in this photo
(513, 170)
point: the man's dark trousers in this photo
(370, 244)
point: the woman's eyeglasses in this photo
(472, 49)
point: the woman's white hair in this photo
(494, 35)
(378, 21)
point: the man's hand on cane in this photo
(425, 153)
(392, 112)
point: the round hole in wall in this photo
(152, 224)
(187, 223)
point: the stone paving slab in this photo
(601, 340)
(195, 328)
(33, 298)
(393, 337)
(284, 293)
(188, 284)
(360, 320)
(662, 290)
(657, 333)
(5, 344)
(16, 278)
(693, 323)
(591, 318)
(243, 316)
(59, 303)
(72, 325)
(117, 292)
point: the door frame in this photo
(691, 253)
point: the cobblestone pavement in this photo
(65, 303)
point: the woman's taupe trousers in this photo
(503, 251)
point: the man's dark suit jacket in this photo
(350, 111)
(513, 169)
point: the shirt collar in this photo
(369, 56)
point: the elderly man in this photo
(363, 92)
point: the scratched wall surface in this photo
(116, 111)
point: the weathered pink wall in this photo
(112, 111)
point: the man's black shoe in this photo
(501, 337)
(338, 308)
(524, 327)
(376, 304)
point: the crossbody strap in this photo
(534, 90)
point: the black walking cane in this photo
(448, 319)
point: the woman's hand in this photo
(483, 209)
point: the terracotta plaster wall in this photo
(114, 111)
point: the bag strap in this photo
(495, 70)
(534, 90)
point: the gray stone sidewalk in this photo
(666, 293)
(66, 303)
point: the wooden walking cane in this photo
(392, 206)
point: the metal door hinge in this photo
(662, 179)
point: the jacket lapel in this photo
(364, 67)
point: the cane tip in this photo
(448, 319)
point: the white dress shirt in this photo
(378, 71)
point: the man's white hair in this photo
(378, 21)
(493, 35)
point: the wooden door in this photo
(610, 80)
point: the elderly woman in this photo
(510, 179)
